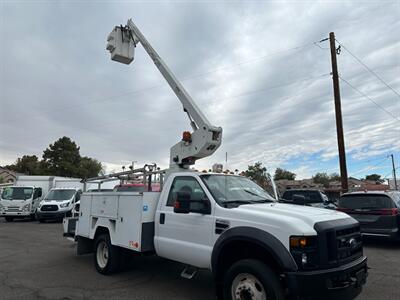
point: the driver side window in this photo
(37, 193)
(185, 184)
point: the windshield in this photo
(60, 195)
(238, 189)
(365, 201)
(16, 193)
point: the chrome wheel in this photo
(247, 287)
(102, 254)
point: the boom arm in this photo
(205, 138)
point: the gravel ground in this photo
(36, 262)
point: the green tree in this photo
(334, 177)
(89, 167)
(27, 164)
(374, 177)
(258, 174)
(62, 158)
(284, 174)
(321, 178)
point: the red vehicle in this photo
(137, 187)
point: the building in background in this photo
(8, 176)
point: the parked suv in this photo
(377, 212)
(314, 198)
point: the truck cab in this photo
(19, 202)
(253, 244)
(58, 203)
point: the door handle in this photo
(162, 218)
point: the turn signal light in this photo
(299, 242)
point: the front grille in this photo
(340, 243)
(13, 209)
(49, 208)
(348, 244)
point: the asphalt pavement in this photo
(36, 262)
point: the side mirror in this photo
(299, 199)
(182, 203)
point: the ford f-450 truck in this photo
(256, 247)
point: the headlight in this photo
(40, 204)
(26, 207)
(64, 205)
(304, 251)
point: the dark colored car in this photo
(309, 197)
(377, 212)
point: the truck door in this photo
(185, 237)
(37, 197)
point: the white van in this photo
(19, 202)
(58, 203)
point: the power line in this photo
(391, 173)
(369, 98)
(368, 68)
(232, 66)
(369, 167)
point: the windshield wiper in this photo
(257, 195)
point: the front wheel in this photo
(250, 279)
(9, 219)
(106, 256)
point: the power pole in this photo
(394, 173)
(338, 112)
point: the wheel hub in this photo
(102, 254)
(247, 287)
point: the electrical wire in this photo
(227, 67)
(369, 98)
(368, 68)
(369, 167)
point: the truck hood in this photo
(289, 213)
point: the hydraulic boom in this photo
(205, 138)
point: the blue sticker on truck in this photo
(145, 207)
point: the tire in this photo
(251, 279)
(9, 219)
(106, 256)
(41, 220)
(33, 217)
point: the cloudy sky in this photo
(256, 68)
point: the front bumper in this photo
(15, 214)
(52, 214)
(344, 282)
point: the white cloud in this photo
(274, 106)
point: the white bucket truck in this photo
(255, 247)
(60, 200)
(22, 199)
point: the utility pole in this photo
(338, 113)
(394, 172)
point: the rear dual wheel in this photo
(106, 257)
